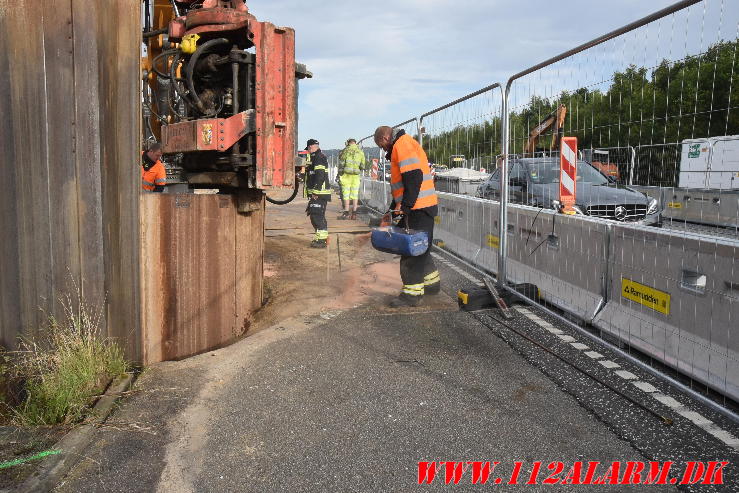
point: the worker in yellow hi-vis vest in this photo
(351, 165)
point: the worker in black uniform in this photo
(318, 189)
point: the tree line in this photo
(651, 109)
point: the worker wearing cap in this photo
(351, 164)
(318, 189)
(153, 174)
(414, 197)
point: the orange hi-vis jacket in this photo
(408, 155)
(154, 176)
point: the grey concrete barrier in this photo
(676, 298)
(564, 256)
(712, 207)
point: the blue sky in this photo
(384, 64)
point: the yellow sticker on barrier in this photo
(493, 241)
(674, 205)
(437, 219)
(644, 295)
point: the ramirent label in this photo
(644, 295)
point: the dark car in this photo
(535, 182)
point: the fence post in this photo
(503, 222)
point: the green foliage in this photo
(65, 367)
(658, 107)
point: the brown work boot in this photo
(344, 216)
(353, 217)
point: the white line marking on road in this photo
(722, 435)
(626, 375)
(667, 400)
(695, 417)
(553, 330)
(644, 386)
(545, 325)
(566, 338)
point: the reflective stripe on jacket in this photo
(407, 155)
(317, 182)
(351, 160)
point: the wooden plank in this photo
(87, 153)
(250, 262)
(10, 316)
(61, 189)
(119, 30)
(28, 113)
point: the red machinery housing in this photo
(231, 96)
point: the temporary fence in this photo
(642, 96)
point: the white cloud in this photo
(383, 63)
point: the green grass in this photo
(64, 367)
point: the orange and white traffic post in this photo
(375, 170)
(568, 174)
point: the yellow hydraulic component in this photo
(189, 44)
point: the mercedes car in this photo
(535, 182)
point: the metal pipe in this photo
(463, 98)
(606, 37)
(175, 8)
(503, 217)
(404, 123)
(236, 149)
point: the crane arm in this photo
(558, 117)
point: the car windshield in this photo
(543, 172)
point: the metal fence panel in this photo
(695, 307)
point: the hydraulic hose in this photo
(289, 199)
(151, 34)
(190, 71)
(154, 62)
(174, 78)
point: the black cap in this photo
(310, 143)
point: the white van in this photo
(710, 163)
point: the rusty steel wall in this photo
(201, 271)
(69, 134)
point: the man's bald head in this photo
(384, 137)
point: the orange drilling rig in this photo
(220, 93)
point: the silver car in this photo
(535, 182)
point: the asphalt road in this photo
(352, 400)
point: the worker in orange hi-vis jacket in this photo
(153, 174)
(414, 196)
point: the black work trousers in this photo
(317, 213)
(413, 269)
